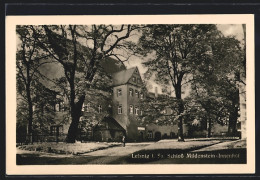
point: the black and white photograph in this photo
(123, 93)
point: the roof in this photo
(109, 123)
(111, 65)
(122, 77)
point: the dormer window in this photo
(131, 92)
(119, 92)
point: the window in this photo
(131, 109)
(136, 110)
(53, 130)
(119, 92)
(138, 81)
(62, 106)
(88, 107)
(99, 108)
(141, 95)
(136, 93)
(83, 107)
(134, 79)
(33, 108)
(141, 112)
(130, 92)
(150, 134)
(56, 130)
(120, 109)
(57, 107)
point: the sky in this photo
(227, 29)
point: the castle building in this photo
(125, 108)
(109, 114)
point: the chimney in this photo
(156, 92)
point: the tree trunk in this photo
(232, 123)
(75, 115)
(181, 109)
(30, 115)
(209, 127)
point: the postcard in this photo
(130, 94)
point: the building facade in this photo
(109, 114)
(127, 93)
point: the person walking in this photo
(123, 140)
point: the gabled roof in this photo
(122, 77)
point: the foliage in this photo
(200, 57)
(29, 58)
(215, 82)
(176, 49)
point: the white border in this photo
(12, 168)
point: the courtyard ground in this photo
(67, 148)
(191, 151)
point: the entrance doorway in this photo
(157, 136)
